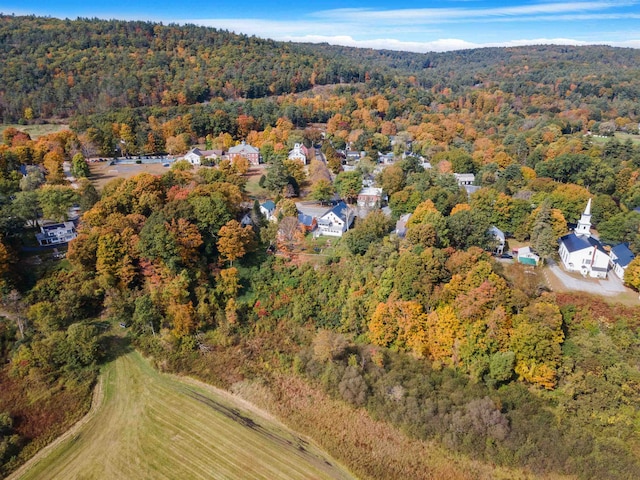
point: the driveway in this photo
(313, 208)
(575, 282)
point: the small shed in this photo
(526, 256)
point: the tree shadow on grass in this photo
(113, 343)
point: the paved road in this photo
(66, 168)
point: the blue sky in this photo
(418, 26)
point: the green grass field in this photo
(149, 425)
(36, 131)
(622, 136)
(254, 190)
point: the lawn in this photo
(147, 425)
(102, 172)
(254, 190)
(621, 136)
(36, 131)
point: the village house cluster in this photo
(579, 251)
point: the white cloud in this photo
(449, 44)
(465, 25)
(443, 44)
(358, 35)
(429, 29)
(461, 15)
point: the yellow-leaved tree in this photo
(234, 241)
(444, 331)
(383, 330)
(632, 274)
(536, 341)
(400, 323)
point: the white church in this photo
(580, 252)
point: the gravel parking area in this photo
(575, 282)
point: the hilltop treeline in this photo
(62, 68)
(428, 332)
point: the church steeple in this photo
(584, 225)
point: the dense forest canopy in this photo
(427, 332)
(63, 67)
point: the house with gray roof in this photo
(336, 221)
(56, 233)
(499, 239)
(620, 257)
(195, 156)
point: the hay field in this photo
(149, 425)
(36, 131)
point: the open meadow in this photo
(621, 136)
(36, 131)
(102, 173)
(148, 425)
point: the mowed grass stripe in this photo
(225, 443)
(155, 426)
(188, 431)
(185, 450)
(192, 423)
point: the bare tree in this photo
(14, 309)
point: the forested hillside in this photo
(428, 332)
(64, 68)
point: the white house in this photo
(195, 156)
(526, 256)
(500, 240)
(336, 221)
(465, 178)
(386, 158)
(354, 154)
(620, 257)
(466, 181)
(426, 165)
(580, 252)
(268, 209)
(56, 233)
(299, 153)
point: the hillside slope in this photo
(61, 68)
(151, 425)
